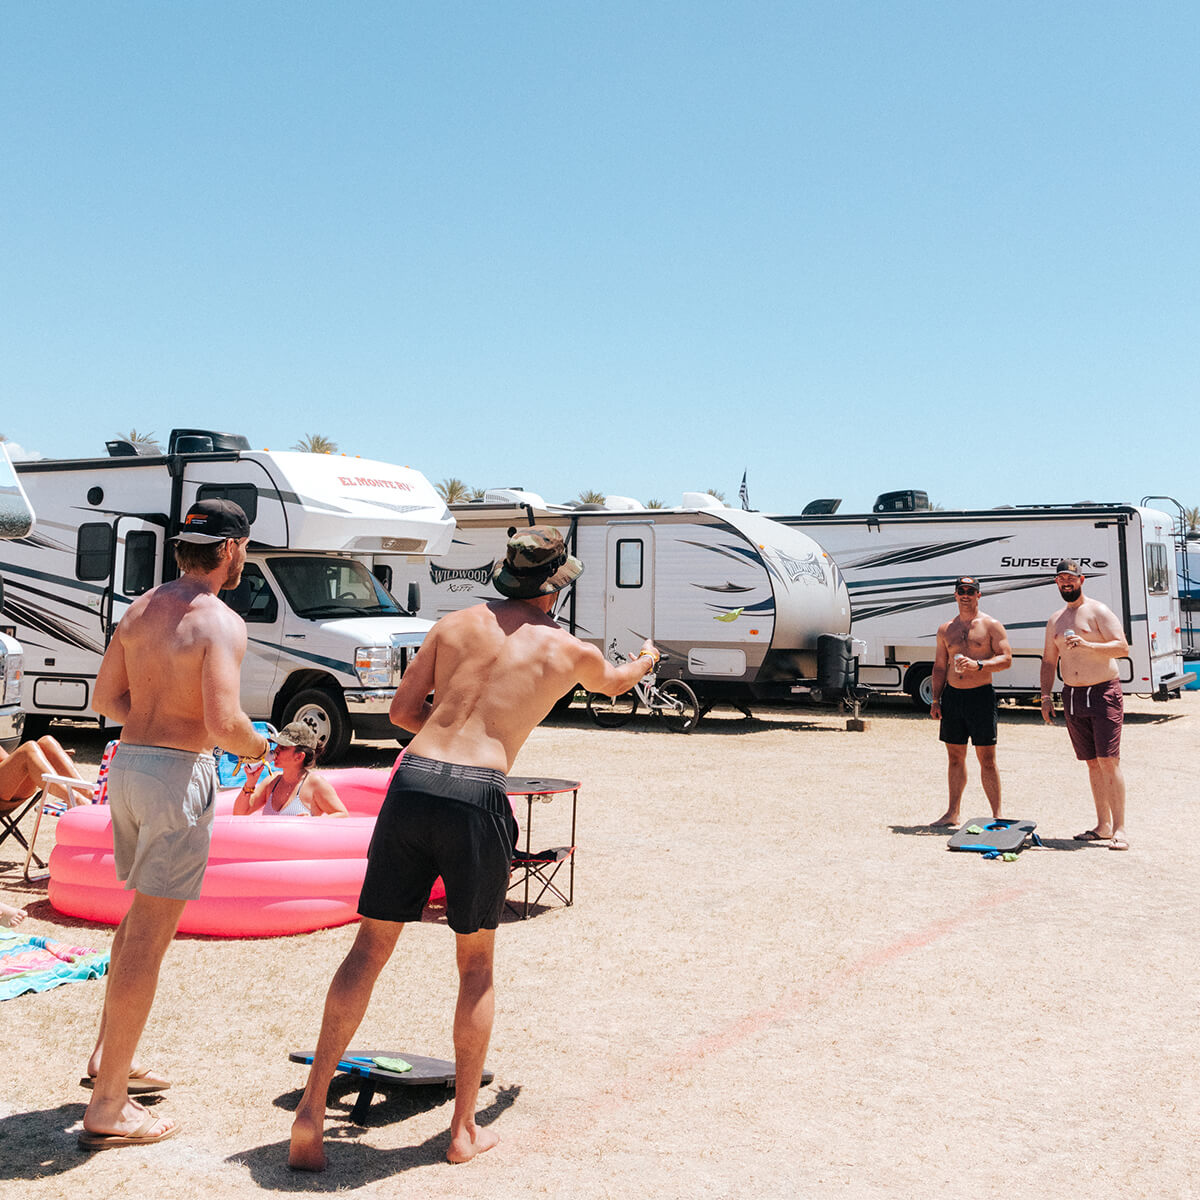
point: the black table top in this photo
(538, 785)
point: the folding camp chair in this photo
(12, 812)
(532, 867)
(54, 806)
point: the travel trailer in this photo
(739, 603)
(327, 642)
(16, 520)
(900, 568)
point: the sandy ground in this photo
(775, 982)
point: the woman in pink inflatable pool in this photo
(297, 791)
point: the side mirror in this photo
(414, 597)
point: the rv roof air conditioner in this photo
(907, 501)
(701, 500)
(623, 504)
(124, 448)
(191, 443)
(819, 508)
(513, 496)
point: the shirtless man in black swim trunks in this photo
(494, 671)
(969, 649)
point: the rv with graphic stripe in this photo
(739, 603)
(16, 520)
(900, 568)
(326, 642)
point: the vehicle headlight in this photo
(373, 665)
(12, 679)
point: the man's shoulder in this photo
(993, 622)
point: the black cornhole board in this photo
(426, 1072)
(1005, 834)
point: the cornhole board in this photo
(1004, 834)
(426, 1072)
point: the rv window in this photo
(629, 563)
(243, 494)
(1156, 569)
(331, 587)
(94, 551)
(253, 599)
(140, 547)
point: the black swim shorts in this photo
(441, 819)
(968, 714)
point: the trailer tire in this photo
(919, 686)
(325, 714)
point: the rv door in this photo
(136, 568)
(628, 588)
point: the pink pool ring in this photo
(265, 877)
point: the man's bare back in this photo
(495, 671)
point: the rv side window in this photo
(629, 563)
(1156, 568)
(94, 551)
(139, 562)
(243, 494)
(252, 599)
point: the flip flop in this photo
(140, 1082)
(1089, 835)
(141, 1136)
(1118, 843)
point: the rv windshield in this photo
(332, 587)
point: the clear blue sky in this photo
(637, 247)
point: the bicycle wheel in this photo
(609, 712)
(680, 708)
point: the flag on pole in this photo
(743, 493)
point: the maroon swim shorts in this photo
(1094, 717)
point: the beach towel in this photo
(37, 964)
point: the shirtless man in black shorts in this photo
(494, 671)
(1086, 639)
(969, 649)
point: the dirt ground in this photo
(774, 982)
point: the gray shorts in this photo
(162, 804)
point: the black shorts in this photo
(968, 714)
(441, 819)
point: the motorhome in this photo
(327, 642)
(16, 520)
(900, 568)
(738, 603)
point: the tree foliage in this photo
(146, 439)
(453, 490)
(316, 443)
(1192, 517)
(587, 496)
(655, 504)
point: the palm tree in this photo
(1190, 515)
(316, 443)
(146, 439)
(719, 495)
(587, 496)
(453, 491)
(655, 504)
(478, 494)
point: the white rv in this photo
(16, 520)
(327, 642)
(900, 568)
(738, 602)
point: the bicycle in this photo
(672, 700)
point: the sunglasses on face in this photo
(966, 591)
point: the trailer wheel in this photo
(919, 686)
(325, 714)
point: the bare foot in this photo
(469, 1142)
(307, 1150)
(11, 916)
(949, 818)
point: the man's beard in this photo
(233, 578)
(1070, 594)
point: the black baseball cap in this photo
(210, 521)
(1068, 566)
(967, 581)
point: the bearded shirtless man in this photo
(970, 649)
(170, 678)
(1085, 639)
(494, 671)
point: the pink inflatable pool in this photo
(266, 876)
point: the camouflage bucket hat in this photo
(536, 564)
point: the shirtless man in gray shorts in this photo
(1086, 638)
(494, 671)
(170, 678)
